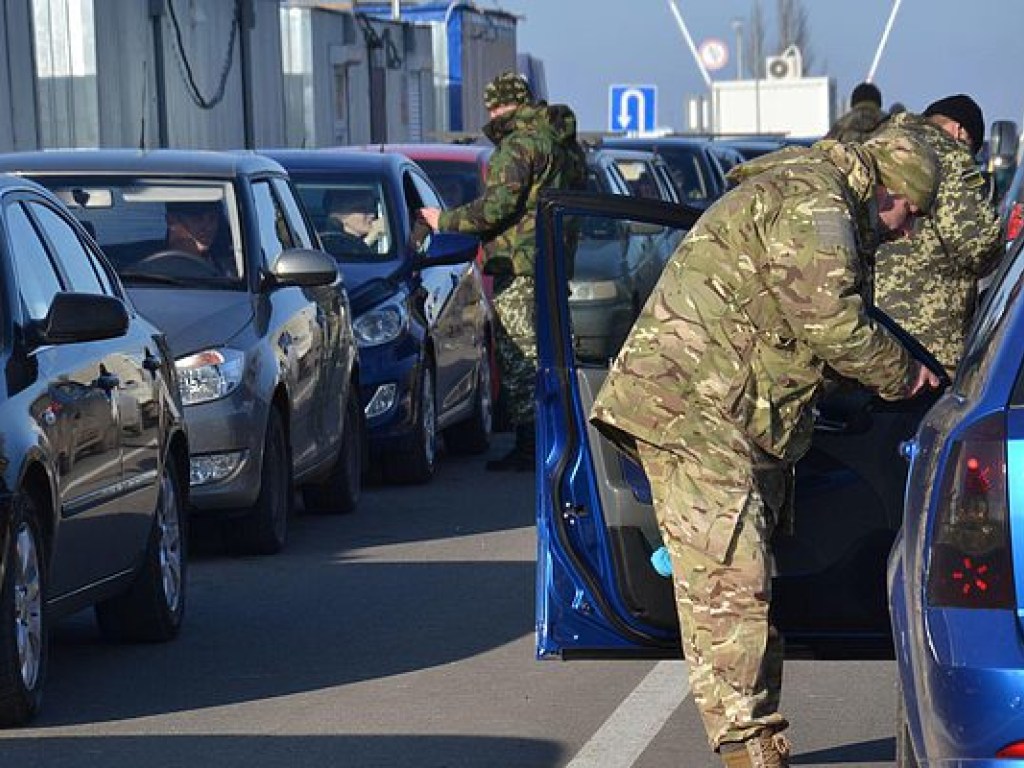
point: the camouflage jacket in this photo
(928, 282)
(536, 149)
(761, 294)
(857, 124)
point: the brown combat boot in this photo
(766, 750)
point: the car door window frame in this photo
(22, 277)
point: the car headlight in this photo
(380, 325)
(593, 290)
(209, 375)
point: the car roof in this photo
(655, 141)
(349, 159)
(158, 161)
(622, 154)
(435, 151)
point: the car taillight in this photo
(1015, 222)
(970, 563)
(1012, 750)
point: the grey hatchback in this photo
(216, 251)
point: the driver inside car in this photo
(353, 226)
(197, 228)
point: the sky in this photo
(935, 48)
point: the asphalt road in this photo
(401, 636)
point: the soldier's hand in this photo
(431, 216)
(923, 379)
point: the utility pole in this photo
(246, 23)
(156, 12)
(737, 27)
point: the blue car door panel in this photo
(597, 591)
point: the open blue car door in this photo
(597, 592)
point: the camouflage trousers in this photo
(516, 345)
(733, 652)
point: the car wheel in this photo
(23, 621)
(340, 493)
(417, 465)
(473, 436)
(265, 530)
(904, 747)
(153, 608)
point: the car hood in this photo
(358, 274)
(194, 320)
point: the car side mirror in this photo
(1003, 143)
(449, 248)
(304, 267)
(80, 317)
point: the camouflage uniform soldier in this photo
(536, 149)
(928, 283)
(864, 116)
(714, 386)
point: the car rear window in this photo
(458, 183)
(989, 328)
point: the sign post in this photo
(632, 108)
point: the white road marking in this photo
(624, 736)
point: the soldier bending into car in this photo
(535, 149)
(929, 283)
(714, 387)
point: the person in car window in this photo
(714, 387)
(929, 283)
(535, 149)
(865, 115)
(197, 228)
(352, 218)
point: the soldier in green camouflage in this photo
(928, 283)
(535, 149)
(714, 387)
(865, 115)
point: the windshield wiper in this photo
(153, 277)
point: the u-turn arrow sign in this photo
(632, 108)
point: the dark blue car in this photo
(597, 591)
(956, 592)
(424, 334)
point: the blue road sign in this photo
(632, 108)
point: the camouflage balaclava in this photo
(906, 166)
(508, 88)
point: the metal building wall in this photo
(18, 127)
(325, 79)
(488, 48)
(66, 72)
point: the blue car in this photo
(955, 591)
(597, 590)
(424, 332)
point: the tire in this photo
(339, 493)
(473, 436)
(265, 530)
(24, 626)
(153, 608)
(904, 746)
(416, 466)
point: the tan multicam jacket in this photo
(760, 296)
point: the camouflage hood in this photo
(557, 118)
(852, 162)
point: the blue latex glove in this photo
(662, 562)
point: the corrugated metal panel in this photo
(66, 69)
(127, 102)
(18, 130)
(268, 102)
(488, 49)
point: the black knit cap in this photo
(866, 92)
(964, 110)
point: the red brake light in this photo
(1012, 750)
(970, 564)
(1015, 222)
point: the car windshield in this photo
(352, 216)
(160, 231)
(639, 175)
(458, 183)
